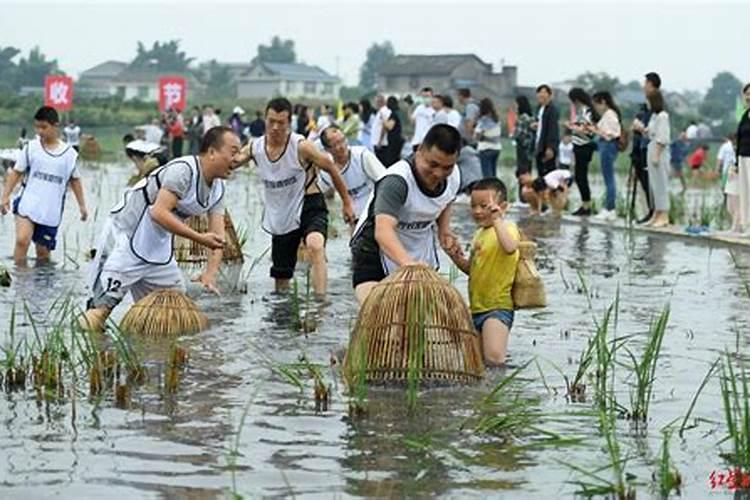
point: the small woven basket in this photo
(528, 288)
(192, 257)
(163, 313)
(414, 324)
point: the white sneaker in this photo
(606, 215)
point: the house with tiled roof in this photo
(293, 80)
(445, 73)
(115, 78)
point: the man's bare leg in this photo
(316, 254)
(42, 254)
(24, 232)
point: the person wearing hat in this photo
(146, 156)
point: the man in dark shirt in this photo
(435, 182)
(547, 131)
(258, 126)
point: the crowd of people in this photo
(396, 195)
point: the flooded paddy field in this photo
(239, 416)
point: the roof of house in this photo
(437, 64)
(294, 71)
(107, 69)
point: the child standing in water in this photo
(491, 267)
(47, 166)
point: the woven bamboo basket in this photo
(192, 257)
(164, 313)
(528, 288)
(90, 150)
(414, 323)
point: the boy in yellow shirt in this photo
(491, 267)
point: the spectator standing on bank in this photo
(487, 137)
(547, 131)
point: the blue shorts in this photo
(505, 316)
(45, 236)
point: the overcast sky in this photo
(686, 42)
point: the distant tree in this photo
(33, 69)
(595, 82)
(377, 56)
(279, 51)
(355, 93)
(633, 85)
(218, 80)
(721, 98)
(8, 69)
(162, 56)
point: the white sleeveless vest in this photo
(358, 184)
(152, 243)
(283, 186)
(43, 196)
(417, 219)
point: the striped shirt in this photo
(583, 118)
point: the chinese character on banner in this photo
(172, 93)
(58, 92)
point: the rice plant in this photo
(676, 208)
(667, 477)
(621, 484)
(644, 370)
(735, 397)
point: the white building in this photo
(293, 80)
(115, 78)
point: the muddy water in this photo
(181, 445)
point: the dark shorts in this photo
(366, 266)
(505, 316)
(314, 219)
(45, 236)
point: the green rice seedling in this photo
(735, 397)
(15, 364)
(684, 425)
(667, 477)
(644, 369)
(621, 206)
(595, 351)
(676, 209)
(622, 484)
(234, 451)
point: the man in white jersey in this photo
(47, 166)
(422, 117)
(294, 208)
(378, 134)
(408, 212)
(135, 253)
(73, 135)
(359, 167)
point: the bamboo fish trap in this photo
(192, 257)
(414, 324)
(164, 313)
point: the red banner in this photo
(58, 92)
(172, 93)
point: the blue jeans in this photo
(488, 160)
(505, 316)
(608, 155)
